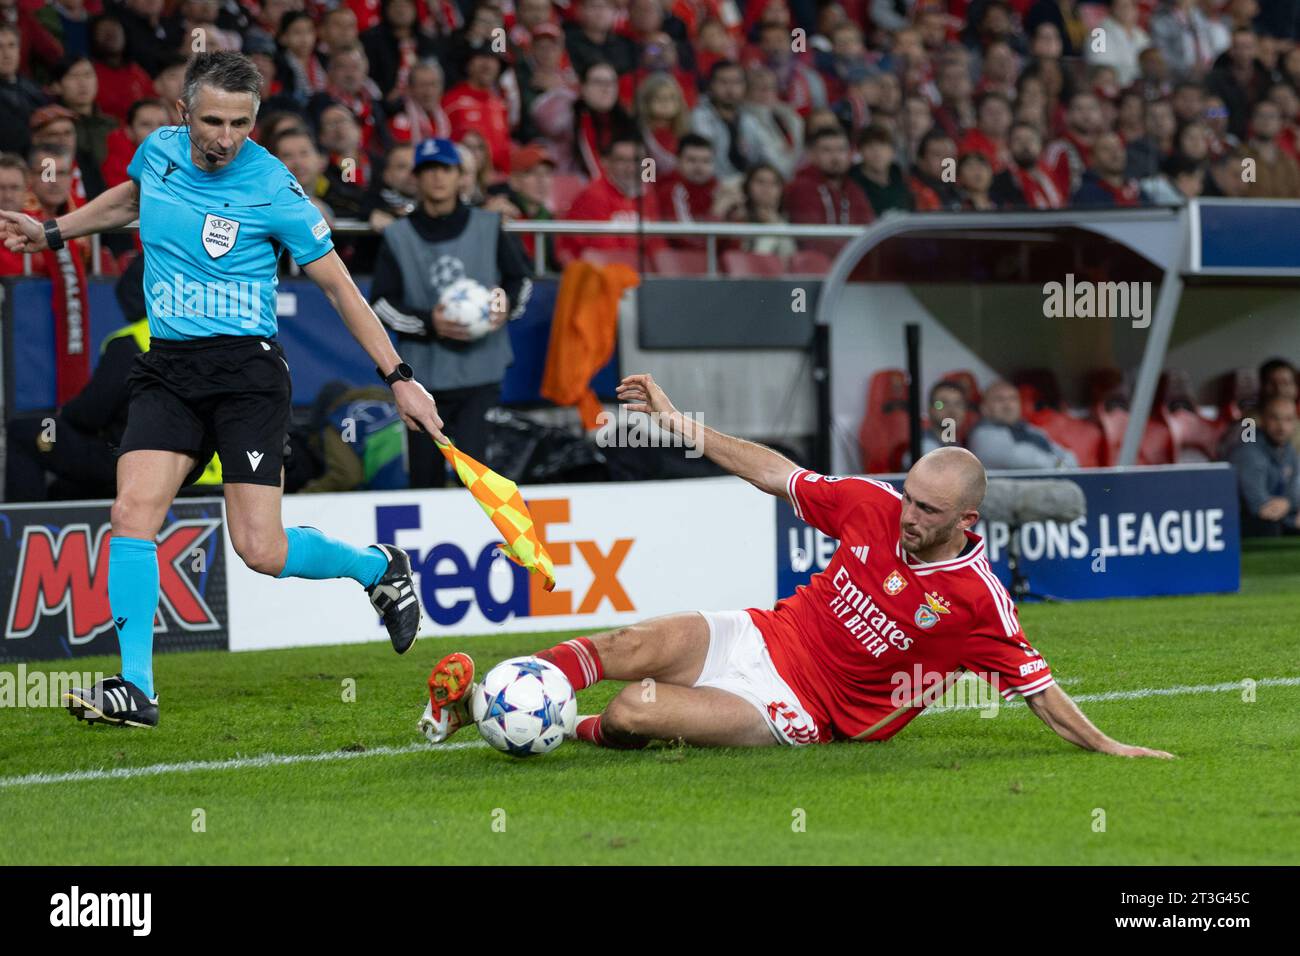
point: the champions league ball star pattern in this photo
(468, 303)
(524, 707)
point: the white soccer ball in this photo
(524, 706)
(469, 303)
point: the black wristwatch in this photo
(53, 237)
(402, 373)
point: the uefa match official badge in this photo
(894, 583)
(219, 235)
(927, 614)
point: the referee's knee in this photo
(265, 555)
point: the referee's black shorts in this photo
(228, 394)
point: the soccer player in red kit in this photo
(907, 603)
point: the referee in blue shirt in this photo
(215, 213)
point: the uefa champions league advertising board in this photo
(1168, 530)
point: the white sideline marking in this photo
(281, 760)
(234, 763)
(1130, 694)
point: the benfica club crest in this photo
(927, 615)
(894, 583)
(219, 235)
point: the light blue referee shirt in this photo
(212, 240)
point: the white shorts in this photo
(739, 663)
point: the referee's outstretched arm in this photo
(120, 206)
(111, 209)
(414, 403)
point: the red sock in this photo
(589, 730)
(578, 659)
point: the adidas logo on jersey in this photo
(860, 552)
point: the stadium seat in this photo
(752, 265)
(1193, 437)
(1045, 390)
(809, 262)
(1106, 385)
(1156, 447)
(1175, 389)
(607, 257)
(885, 434)
(1238, 390)
(564, 189)
(1082, 437)
(680, 262)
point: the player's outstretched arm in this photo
(1055, 708)
(761, 467)
(414, 403)
(111, 209)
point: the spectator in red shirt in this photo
(142, 118)
(40, 50)
(616, 196)
(13, 197)
(300, 71)
(974, 179)
(1070, 155)
(476, 104)
(956, 111)
(121, 81)
(421, 115)
(713, 45)
(580, 131)
(799, 84)
(1037, 185)
(934, 177)
(395, 45)
(989, 136)
(824, 193)
(338, 31)
(1104, 183)
(350, 85)
(57, 125)
(688, 194)
(998, 70)
(658, 55)
(664, 119)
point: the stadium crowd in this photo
(751, 110)
(762, 111)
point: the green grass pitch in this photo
(953, 788)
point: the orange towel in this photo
(584, 330)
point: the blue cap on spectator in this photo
(441, 151)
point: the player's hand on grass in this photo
(418, 409)
(448, 328)
(21, 232)
(642, 395)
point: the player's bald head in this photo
(958, 472)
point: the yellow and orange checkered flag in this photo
(503, 504)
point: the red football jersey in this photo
(872, 640)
